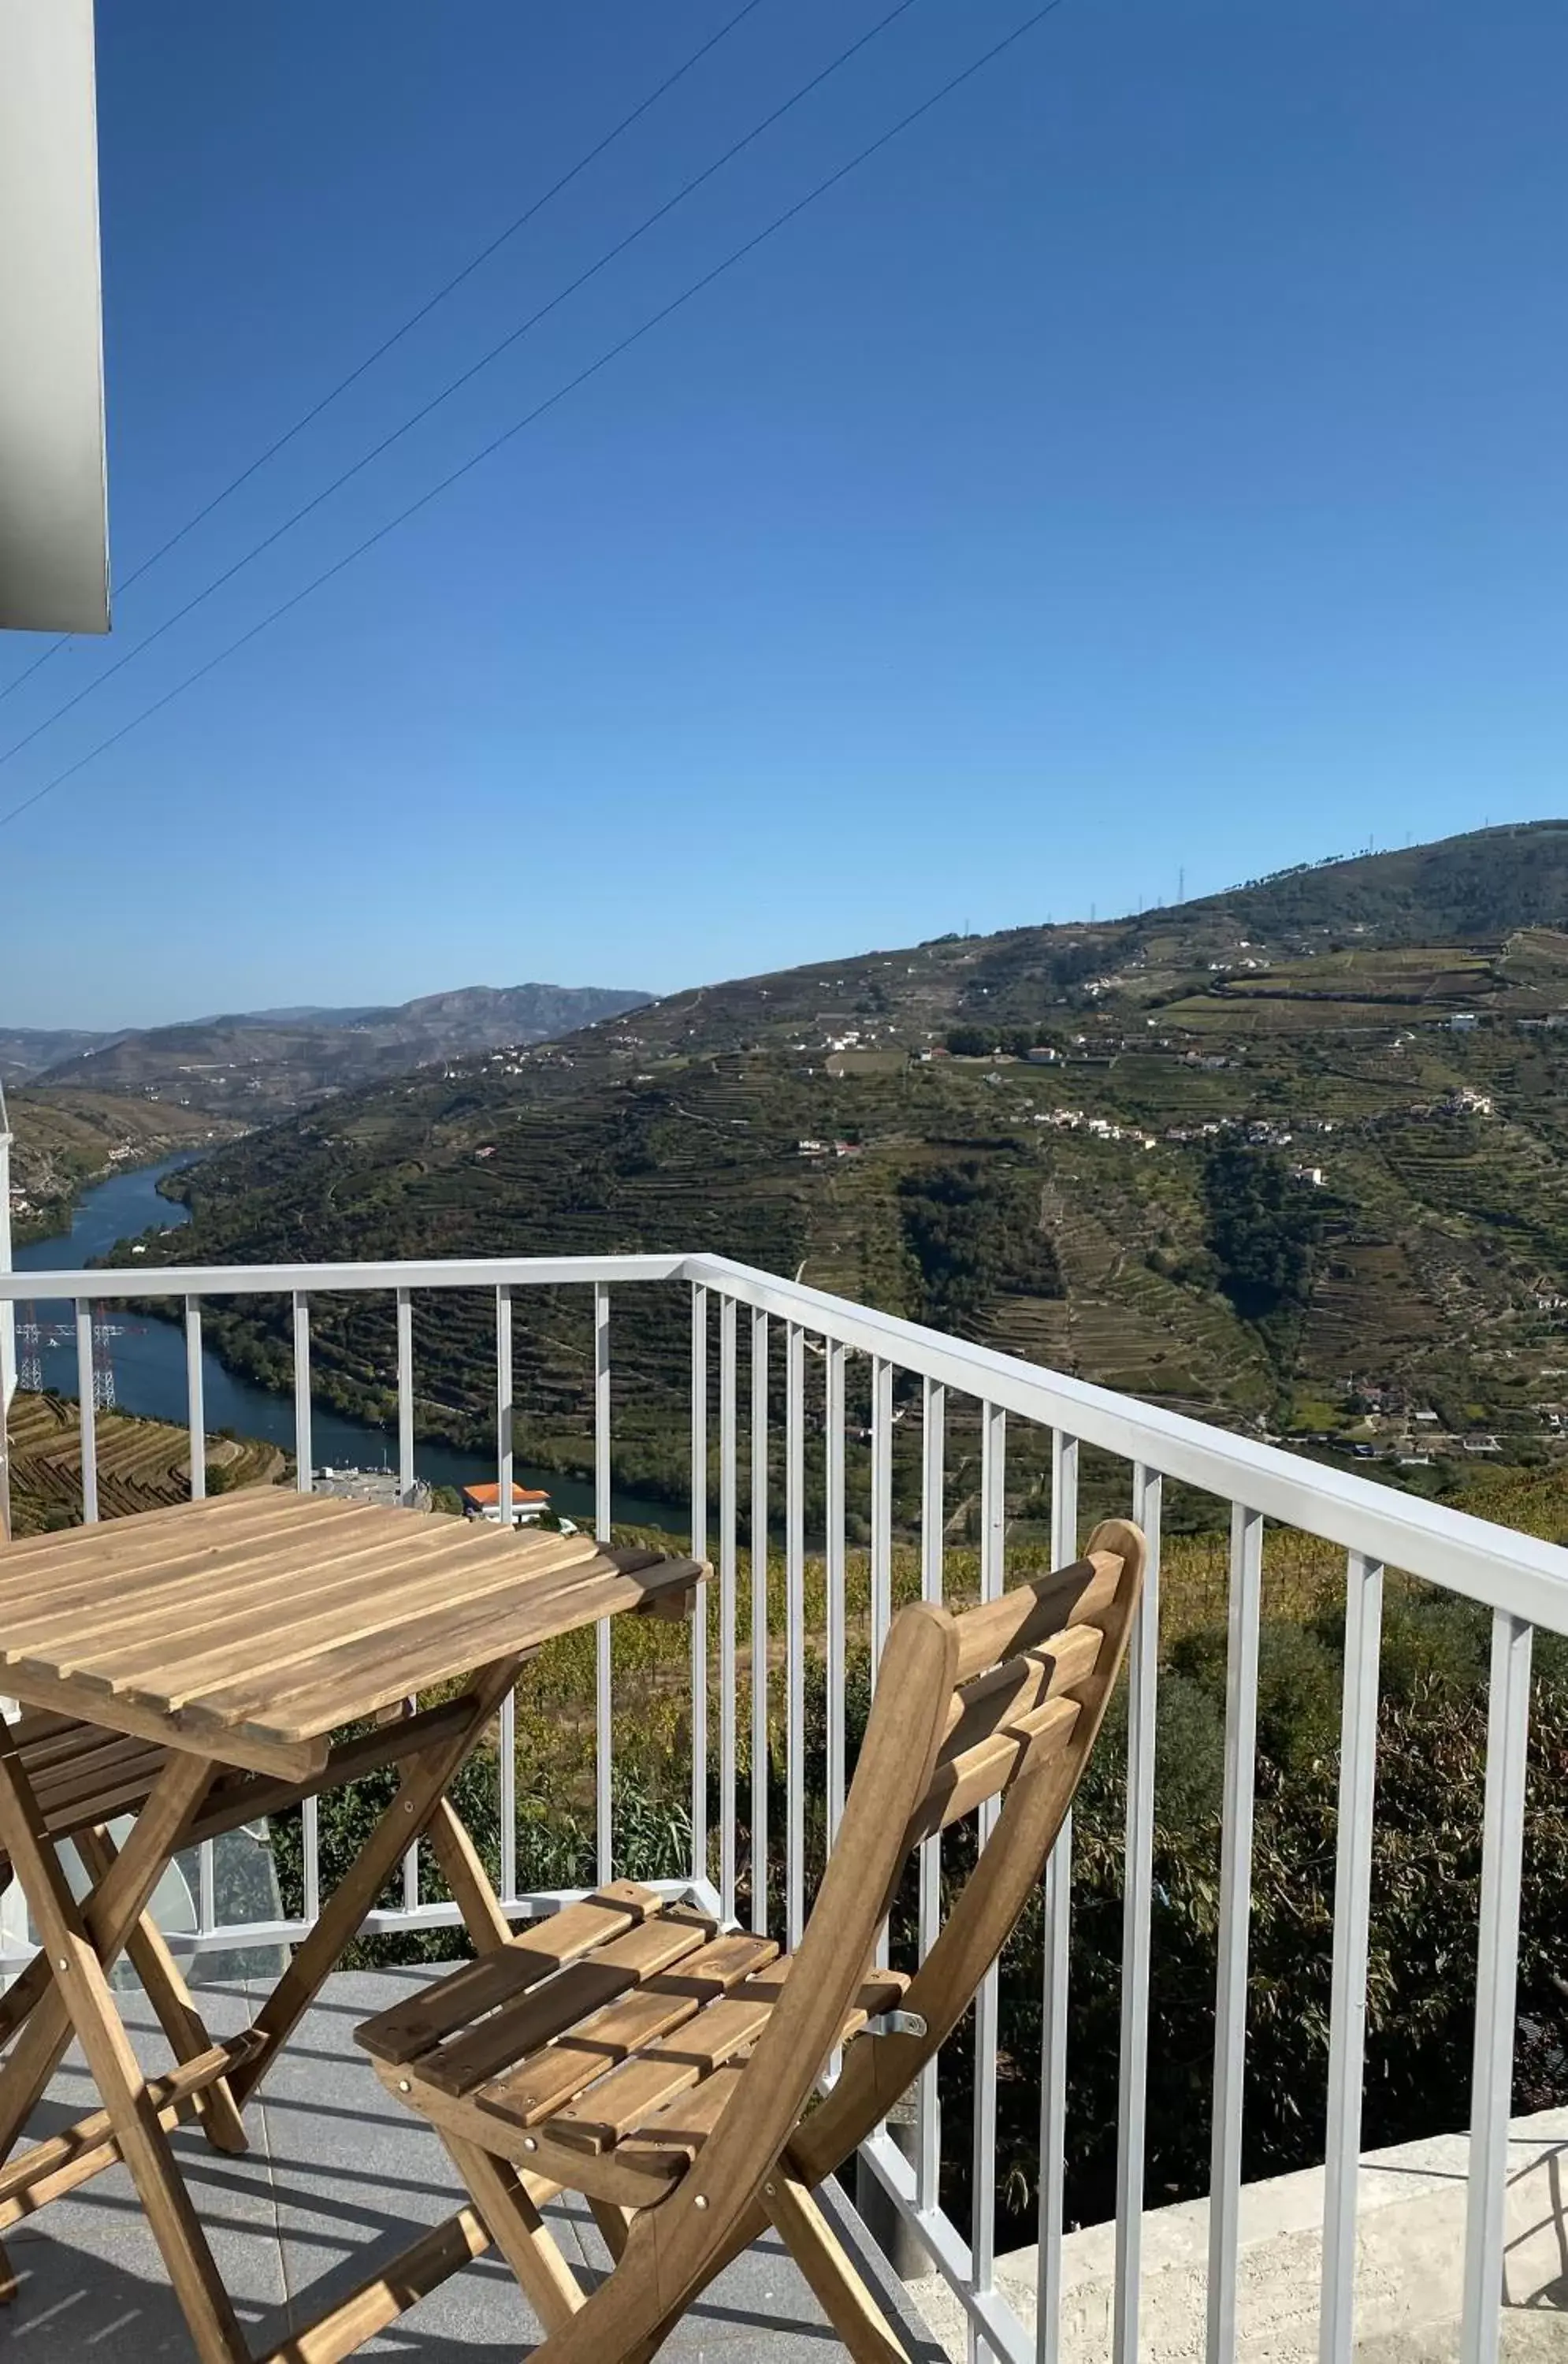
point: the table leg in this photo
(466, 1877)
(83, 1996)
(422, 1785)
(171, 1997)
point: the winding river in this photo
(148, 1360)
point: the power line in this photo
(432, 303)
(611, 353)
(464, 377)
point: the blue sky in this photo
(1150, 463)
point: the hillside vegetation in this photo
(143, 1465)
(1291, 1157)
(66, 1141)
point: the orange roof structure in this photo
(489, 1493)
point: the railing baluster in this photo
(835, 1573)
(1353, 1891)
(404, 1396)
(310, 1840)
(1496, 1976)
(727, 1580)
(1055, 1970)
(759, 1622)
(1235, 1918)
(881, 1508)
(1138, 1882)
(795, 1597)
(993, 1579)
(304, 1456)
(87, 1407)
(503, 1405)
(195, 1402)
(604, 1746)
(404, 1492)
(206, 1889)
(700, 1606)
(404, 1305)
(504, 1439)
(933, 1511)
(509, 1743)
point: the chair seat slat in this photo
(408, 2029)
(544, 2081)
(533, 2018)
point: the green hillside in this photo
(1236, 1157)
(66, 1141)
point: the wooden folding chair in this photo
(635, 2052)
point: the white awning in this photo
(54, 531)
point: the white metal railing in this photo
(1523, 1582)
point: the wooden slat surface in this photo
(1028, 1617)
(219, 1583)
(249, 1626)
(545, 2080)
(409, 2028)
(991, 1700)
(533, 2018)
(960, 1783)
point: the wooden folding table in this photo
(195, 1662)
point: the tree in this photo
(1262, 1227)
(973, 1229)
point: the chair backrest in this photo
(1003, 1701)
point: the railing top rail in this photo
(283, 1279)
(1431, 1540)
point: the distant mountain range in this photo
(28, 1050)
(256, 1064)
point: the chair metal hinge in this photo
(896, 2022)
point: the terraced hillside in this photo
(143, 1465)
(1025, 1138)
(66, 1141)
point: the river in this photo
(148, 1360)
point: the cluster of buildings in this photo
(810, 1148)
(1103, 1128)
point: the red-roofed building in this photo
(482, 1501)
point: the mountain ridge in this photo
(255, 1065)
(1256, 1157)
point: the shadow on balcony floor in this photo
(336, 2174)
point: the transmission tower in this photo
(103, 1360)
(29, 1351)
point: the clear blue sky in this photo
(1153, 461)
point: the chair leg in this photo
(9, 2285)
(36, 2005)
(839, 2290)
(171, 1997)
(520, 2233)
(614, 2224)
(86, 2001)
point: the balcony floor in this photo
(337, 2173)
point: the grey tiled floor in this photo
(337, 2173)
